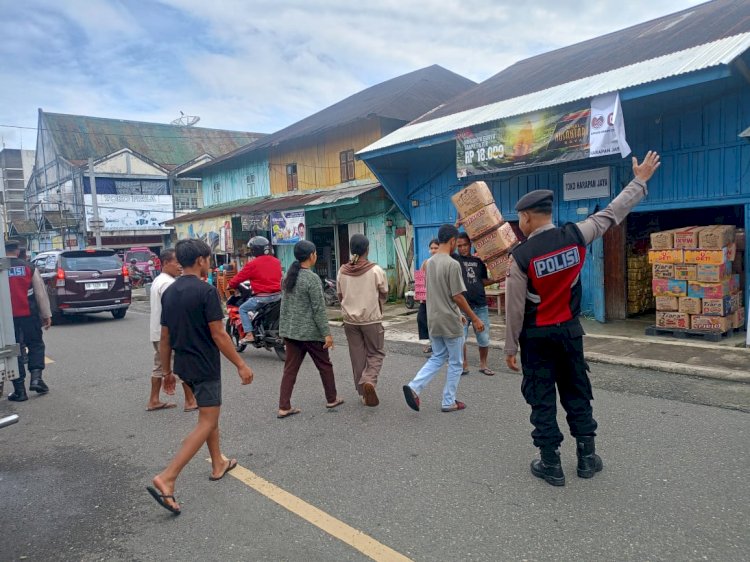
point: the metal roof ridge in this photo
(567, 92)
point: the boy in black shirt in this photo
(191, 325)
(476, 279)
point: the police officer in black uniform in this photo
(543, 303)
(31, 311)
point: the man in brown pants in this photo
(363, 289)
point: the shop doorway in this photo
(325, 241)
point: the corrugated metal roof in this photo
(277, 203)
(403, 98)
(24, 227)
(697, 58)
(696, 25)
(79, 137)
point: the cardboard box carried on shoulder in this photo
(495, 242)
(669, 288)
(685, 272)
(666, 256)
(667, 304)
(690, 305)
(472, 198)
(663, 270)
(711, 323)
(677, 320)
(481, 222)
(497, 267)
(663, 240)
(716, 237)
(711, 257)
(687, 237)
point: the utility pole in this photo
(96, 222)
(8, 346)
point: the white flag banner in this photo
(607, 127)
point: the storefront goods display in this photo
(686, 272)
(690, 305)
(716, 237)
(666, 256)
(669, 288)
(711, 323)
(687, 238)
(640, 296)
(711, 257)
(673, 320)
(699, 290)
(712, 273)
(663, 240)
(667, 304)
(661, 271)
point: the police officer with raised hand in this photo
(543, 303)
(31, 311)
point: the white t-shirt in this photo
(160, 284)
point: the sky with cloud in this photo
(260, 65)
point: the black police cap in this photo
(12, 245)
(540, 199)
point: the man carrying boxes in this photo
(543, 299)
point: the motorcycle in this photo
(265, 322)
(330, 292)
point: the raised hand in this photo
(646, 169)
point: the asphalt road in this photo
(429, 485)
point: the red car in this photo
(84, 281)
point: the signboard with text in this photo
(587, 184)
(287, 227)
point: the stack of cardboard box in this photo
(693, 281)
(491, 235)
(640, 296)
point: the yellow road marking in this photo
(48, 361)
(345, 533)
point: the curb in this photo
(651, 364)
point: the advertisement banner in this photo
(130, 212)
(287, 227)
(214, 231)
(574, 131)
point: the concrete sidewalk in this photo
(617, 343)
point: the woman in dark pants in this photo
(424, 334)
(304, 326)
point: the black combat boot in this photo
(548, 467)
(19, 392)
(589, 463)
(37, 384)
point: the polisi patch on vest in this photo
(559, 261)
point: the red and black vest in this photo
(552, 261)
(21, 288)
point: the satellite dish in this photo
(186, 120)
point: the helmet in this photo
(259, 246)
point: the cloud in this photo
(260, 65)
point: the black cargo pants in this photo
(553, 357)
(28, 329)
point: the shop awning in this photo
(745, 134)
(232, 208)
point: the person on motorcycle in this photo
(264, 274)
(135, 272)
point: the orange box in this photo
(716, 237)
(497, 267)
(711, 257)
(481, 222)
(685, 272)
(666, 256)
(672, 320)
(690, 305)
(472, 198)
(667, 304)
(687, 237)
(663, 240)
(663, 270)
(711, 323)
(495, 242)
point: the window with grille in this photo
(346, 163)
(250, 185)
(291, 177)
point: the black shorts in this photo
(207, 393)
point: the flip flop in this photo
(160, 499)
(338, 402)
(162, 406)
(292, 412)
(455, 408)
(412, 400)
(190, 409)
(464, 373)
(488, 372)
(232, 464)
(427, 350)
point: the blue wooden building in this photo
(684, 83)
